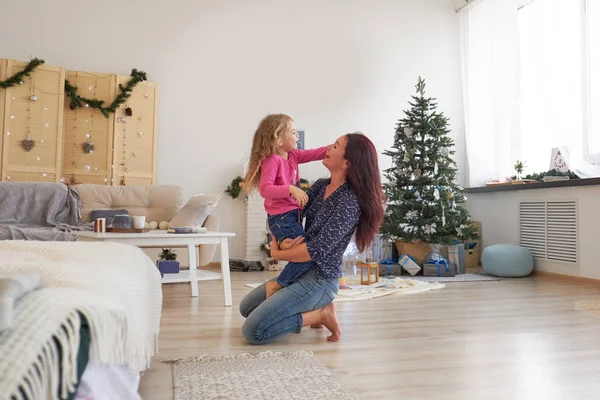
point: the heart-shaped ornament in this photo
(27, 144)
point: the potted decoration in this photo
(167, 263)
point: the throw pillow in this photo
(195, 212)
(12, 288)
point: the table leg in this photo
(225, 275)
(193, 264)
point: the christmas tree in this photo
(423, 198)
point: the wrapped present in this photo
(455, 254)
(407, 262)
(388, 268)
(439, 267)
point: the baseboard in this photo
(557, 275)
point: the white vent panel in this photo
(562, 231)
(532, 227)
(549, 229)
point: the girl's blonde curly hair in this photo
(265, 142)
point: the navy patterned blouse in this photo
(329, 226)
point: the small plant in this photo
(519, 166)
(167, 254)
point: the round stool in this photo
(507, 260)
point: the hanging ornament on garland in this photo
(435, 168)
(28, 144)
(88, 147)
(436, 193)
(443, 216)
(129, 112)
(406, 157)
(123, 119)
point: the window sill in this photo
(540, 185)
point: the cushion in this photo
(507, 260)
(195, 212)
(12, 287)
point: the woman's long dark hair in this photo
(363, 174)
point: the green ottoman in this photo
(507, 260)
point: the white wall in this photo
(499, 215)
(336, 66)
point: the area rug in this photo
(385, 287)
(592, 306)
(256, 376)
(458, 278)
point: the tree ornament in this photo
(436, 194)
(33, 98)
(435, 168)
(406, 157)
(129, 112)
(450, 195)
(417, 173)
(408, 131)
(122, 119)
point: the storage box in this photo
(439, 269)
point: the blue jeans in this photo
(280, 314)
(288, 226)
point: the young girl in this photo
(274, 171)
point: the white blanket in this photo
(115, 286)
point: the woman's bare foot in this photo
(330, 321)
(272, 287)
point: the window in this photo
(559, 79)
(593, 14)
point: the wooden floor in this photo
(512, 339)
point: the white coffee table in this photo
(164, 239)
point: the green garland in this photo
(77, 101)
(18, 77)
(539, 176)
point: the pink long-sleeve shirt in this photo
(277, 174)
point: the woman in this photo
(351, 200)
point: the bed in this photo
(89, 331)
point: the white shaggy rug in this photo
(385, 287)
(256, 376)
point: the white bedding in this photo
(116, 286)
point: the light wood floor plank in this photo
(511, 339)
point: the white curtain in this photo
(490, 51)
(551, 80)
